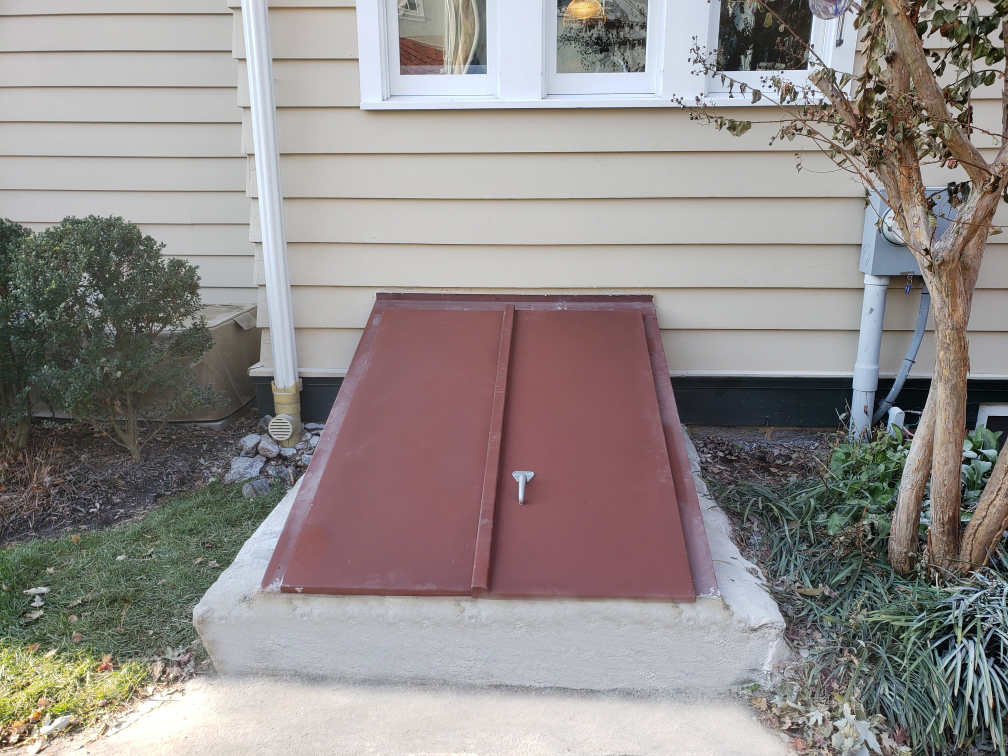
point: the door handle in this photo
(523, 477)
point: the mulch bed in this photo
(72, 478)
(727, 461)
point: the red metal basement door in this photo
(452, 408)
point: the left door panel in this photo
(398, 504)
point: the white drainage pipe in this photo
(866, 369)
(255, 20)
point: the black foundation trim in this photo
(719, 400)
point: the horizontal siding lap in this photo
(608, 221)
(706, 309)
(320, 131)
(564, 175)
(122, 174)
(115, 33)
(119, 105)
(140, 207)
(120, 140)
(118, 69)
(305, 33)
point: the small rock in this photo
(305, 437)
(248, 444)
(305, 460)
(313, 427)
(287, 452)
(302, 446)
(256, 487)
(314, 442)
(243, 468)
(264, 423)
(268, 447)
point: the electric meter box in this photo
(882, 257)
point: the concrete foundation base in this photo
(715, 643)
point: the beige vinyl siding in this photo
(752, 262)
(128, 107)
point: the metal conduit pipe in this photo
(911, 356)
(286, 385)
(866, 369)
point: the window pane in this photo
(750, 39)
(442, 37)
(601, 36)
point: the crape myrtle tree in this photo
(921, 64)
(120, 324)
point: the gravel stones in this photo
(305, 460)
(264, 423)
(313, 427)
(256, 487)
(249, 444)
(313, 443)
(268, 447)
(288, 452)
(243, 468)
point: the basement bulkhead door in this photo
(413, 489)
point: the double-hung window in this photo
(580, 53)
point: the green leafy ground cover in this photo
(119, 604)
(929, 656)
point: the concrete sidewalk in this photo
(251, 716)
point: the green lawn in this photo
(126, 593)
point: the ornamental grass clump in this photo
(928, 654)
(120, 323)
(20, 353)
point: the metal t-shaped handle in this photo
(523, 477)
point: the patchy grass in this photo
(119, 598)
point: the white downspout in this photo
(866, 369)
(286, 385)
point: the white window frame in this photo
(433, 85)
(823, 41)
(644, 82)
(518, 71)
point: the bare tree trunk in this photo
(990, 519)
(903, 537)
(951, 315)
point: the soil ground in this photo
(72, 478)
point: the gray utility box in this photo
(879, 256)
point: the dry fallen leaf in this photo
(106, 663)
(72, 618)
(161, 582)
(760, 703)
(120, 557)
(50, 570)
(43, 703)
(34, 615)
(798, 744)
(49, 654)
(38, 601)
(75, 538)
(198, 560)
(4, 586)
(35, 716)
(34, 646)
(35, 591)
(157, 669)
(76, 637)
(212, 563)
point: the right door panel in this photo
(600, 518)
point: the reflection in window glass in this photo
(750, 39)
(601, 36)
(442, 37)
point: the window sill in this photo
(414, 102)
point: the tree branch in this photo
(912, 51)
